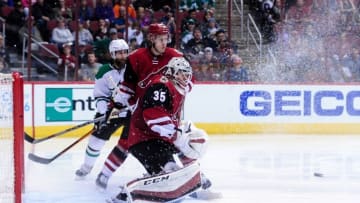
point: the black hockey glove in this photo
(102, 123)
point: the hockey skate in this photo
(205, 193)
(205, 182)
(120, 198)
(82, 171)
(102, 181)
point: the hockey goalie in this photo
(176, 181)
(156, 136)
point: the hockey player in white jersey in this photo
(116, 115)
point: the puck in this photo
(318, 174)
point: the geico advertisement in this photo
(274, 103)
(210, 103)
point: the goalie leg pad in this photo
(166, 187)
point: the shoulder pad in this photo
(102, 70)
(174, 52)
(133, 52)
(178, 52)
(137, 51)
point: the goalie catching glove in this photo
(191, 141)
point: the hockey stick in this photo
(32, 140)
(43, 160)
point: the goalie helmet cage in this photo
(11, 137)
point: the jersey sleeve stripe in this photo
(158, 120)
(164, 130)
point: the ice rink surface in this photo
(244, 168)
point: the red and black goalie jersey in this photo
(158, 112)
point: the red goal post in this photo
(11, 137)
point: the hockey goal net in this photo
(11, 138)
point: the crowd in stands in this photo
(313, 40)
(316, 41)
(3, 57)
(203, 41)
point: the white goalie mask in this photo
(179, 71)
(117, 45)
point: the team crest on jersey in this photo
(164, 79)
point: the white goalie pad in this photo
(167, 187)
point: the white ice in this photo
(244, 168)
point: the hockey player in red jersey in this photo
(141, 64)
(158, 113)
(145, 62)
(155, 133)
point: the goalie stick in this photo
(44, 160)
(32, 140)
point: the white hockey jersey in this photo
(106, 81)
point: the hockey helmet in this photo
(158, 29)
(117, 45)
(179, 71)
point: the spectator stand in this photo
(332, 29)
(236, 71)
(14, 22)
(4, 12)
(144, 18)
(45, 55)
(2, 31)
(104, 10)
(3, 52)
(102, 30)
(85, 11)
(63, 10)
(67, 63)
(157, 15)
(89, 68)
(94, 26)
